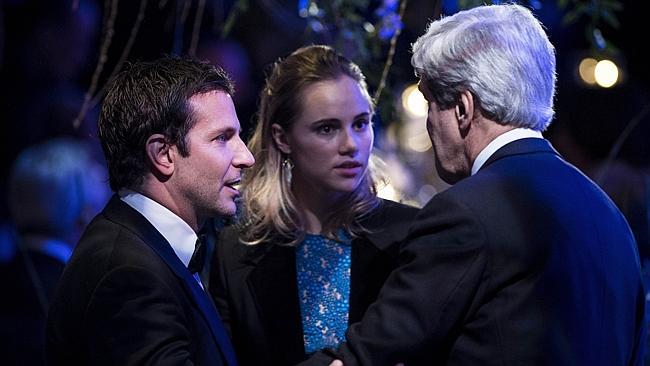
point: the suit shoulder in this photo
(107, 244)
(390, 213)
(461, 204)
(388, 224)
(397, 208)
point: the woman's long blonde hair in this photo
(270, 208)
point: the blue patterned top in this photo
(323, 267)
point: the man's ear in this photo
(280, 138)
(465, 109)
(161, 155)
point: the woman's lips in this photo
(349, 169)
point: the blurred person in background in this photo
(55, 188)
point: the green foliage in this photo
(363, 34)
(466, 4)
(367, 35)
(598, 13)
(240, 7)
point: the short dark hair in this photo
(149, 98)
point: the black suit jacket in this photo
(525, 263)
(255, 287)
(126, 299)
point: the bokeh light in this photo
(586, 70)
(413, 101)
(606, 73)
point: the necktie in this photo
(198, 258)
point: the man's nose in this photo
(243, 157)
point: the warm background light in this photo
(413, 101)
(419, 142)
(586, 70)
(389, 192)
(606, 73)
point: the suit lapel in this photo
(364, 255)
(119, 211)
(273, 282)
(370, 262)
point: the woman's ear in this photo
(161, 155)
(281, 139)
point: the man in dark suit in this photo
(171, 139)
(524, 260)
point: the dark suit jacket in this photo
(126, 299)
(255, 287)
(527, 262)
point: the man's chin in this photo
(228, 209)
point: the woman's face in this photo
(331, 140)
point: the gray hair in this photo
(501, 54)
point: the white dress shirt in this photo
(499, 142)
(178, 233)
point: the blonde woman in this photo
(315, 243)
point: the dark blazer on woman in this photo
(125, 298)
(256, 292)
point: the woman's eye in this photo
(361, 124)
(325, 129)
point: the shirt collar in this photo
(178, 233)
(499, 142)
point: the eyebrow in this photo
(228, 129)
(331, 120)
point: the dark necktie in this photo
(198, 258)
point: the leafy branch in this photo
(367, 35)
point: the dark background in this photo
(49, 50)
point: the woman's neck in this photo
(316, 206)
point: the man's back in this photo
(526, 262)
(564, 285)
